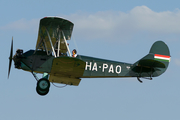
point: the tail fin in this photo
(155, 63)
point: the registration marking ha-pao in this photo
(94, 67)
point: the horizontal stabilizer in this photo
(151, 63)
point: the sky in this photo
(115, 30)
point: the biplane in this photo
(52, 58)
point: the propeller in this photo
(10, 57)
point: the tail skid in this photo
(138, 78)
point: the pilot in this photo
(74, 53)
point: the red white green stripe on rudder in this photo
(162, 57)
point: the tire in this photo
(42, 93)
(43, 84)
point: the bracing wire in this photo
(76, 45)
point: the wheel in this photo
(42, 93)
(43, 84)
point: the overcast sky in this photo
(116, 30)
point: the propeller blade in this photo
(10, 57)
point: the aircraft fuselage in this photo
(40, 62)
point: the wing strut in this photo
(39, 44)
(58, 45)
(66, 44)
(45, 46)
(43, 43)
(51, 43)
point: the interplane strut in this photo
(55, 51)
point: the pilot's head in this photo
(74, 51)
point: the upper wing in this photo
(54, 27)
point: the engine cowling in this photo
(17, 58)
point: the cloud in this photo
(22, 25)
(162, 22)
(115, 25)
(177, 61)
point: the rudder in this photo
(159, 47)
(155, 63)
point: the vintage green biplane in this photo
(52, 58)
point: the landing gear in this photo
(40, 92)
(138, 78)
(43, 86)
